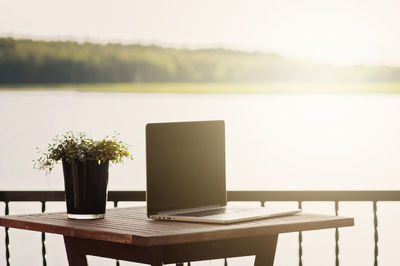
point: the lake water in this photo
(273, 142)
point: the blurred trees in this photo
(28, 61)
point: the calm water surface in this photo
(273, 142)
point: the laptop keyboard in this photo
(212, 212)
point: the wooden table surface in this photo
(131, 226)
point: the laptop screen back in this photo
(185, 165)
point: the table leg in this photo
(156, 257)
(75, 256)
(263, 247)
(266, 253)
(78, 248)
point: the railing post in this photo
(337, 236)
(375, 208)
(44, 238)
(7, 212)
(300, 206)
(115, 206)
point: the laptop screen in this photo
(185, 165)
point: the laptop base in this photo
(249, 214)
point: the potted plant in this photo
(85, 164)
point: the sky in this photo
(339, 32)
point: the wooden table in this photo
(127, 234)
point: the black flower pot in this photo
(85, 188)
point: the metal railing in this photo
(258, 196)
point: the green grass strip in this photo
(217, 88)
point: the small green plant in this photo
(78, 146)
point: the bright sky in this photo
(335, 31)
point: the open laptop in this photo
(186, 175)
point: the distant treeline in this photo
(29, 61)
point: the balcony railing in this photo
(255, 196)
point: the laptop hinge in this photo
(210, 207)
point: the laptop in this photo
(185, 164)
